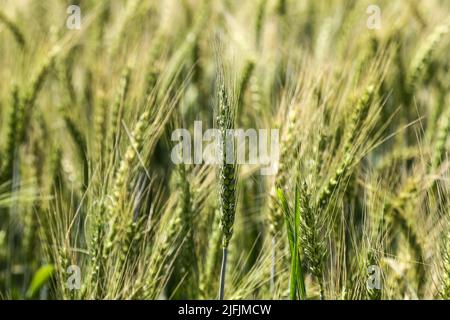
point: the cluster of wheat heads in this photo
(93, 207)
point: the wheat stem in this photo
(223, 273)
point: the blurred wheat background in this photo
(86, 177)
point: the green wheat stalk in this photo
(14, 28)
(227, 179)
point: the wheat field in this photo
(93, 205)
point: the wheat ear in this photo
(227, 179)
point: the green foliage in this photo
(86, 123)
(40, 278)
